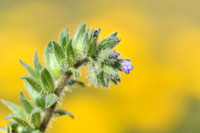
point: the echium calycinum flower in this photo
(106, 61)
(126, 65)
(62, 60)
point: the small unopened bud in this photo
(95, 33)
(114, 56)
(116, 39)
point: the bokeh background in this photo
(162, 37)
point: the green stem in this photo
(49, 111)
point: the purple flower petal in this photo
(125, 70)
(127, 66)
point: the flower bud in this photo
(114, 56)
(126, 66)
(95, 33)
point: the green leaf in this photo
(109, 37)
(28, 107)
(85, 44)
(47, 80)
(3, 129)
(36, 131)
(75, 72)
(36, 97)
(59, 53)
(8, 129)
(15, 109)
(35, 117)
(70, 54)
(90, 34)
(64, 37)
(93, 47)
(29, 69)
(78, 39)
(51, 99)
(63, 112)
(109, 42)
(37, 64)
(103, 80)
(72, 82)
(33, 82)
(112, 74)
(99, 31)
(18, 119)
(105, 54)
(14, 125)
(79, 33)
(114, 81)
(93, 72)
(51, 61)
(93, 78)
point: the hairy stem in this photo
(49, 111)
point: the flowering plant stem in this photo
(46, 83)
(59, 89)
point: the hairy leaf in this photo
(36, 97)
(29, 69)
(47, 80)
(18, 119)
(63, 112)
(8, 129)
(64, 37)
(35, 117)
(28, 107)
(37, 64)
(103, 79)
(72, 82)
(109, 42)
(51, 99)
(51, 61)
(59, 53)
(90, 35)
(78, 39)
(105, 54)
(92, 47)
(70, 54)
(33, 82)
(15, 109)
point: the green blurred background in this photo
(162, 37)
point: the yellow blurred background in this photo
(162, 37)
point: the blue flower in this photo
(126, 66)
